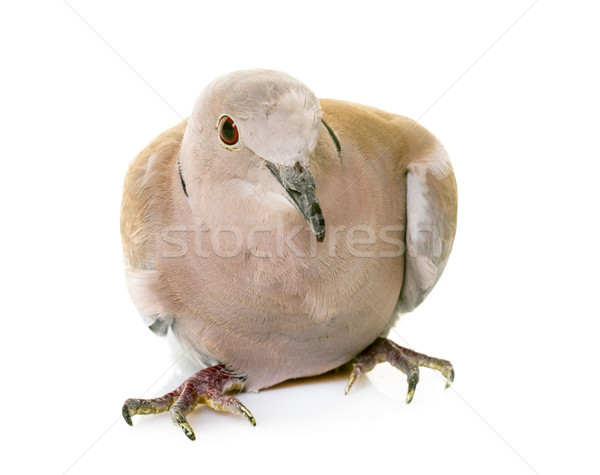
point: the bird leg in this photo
(405, 360)
(207, 386)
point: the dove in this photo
(280, 236)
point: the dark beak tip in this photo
(299, 185)
(318, 222)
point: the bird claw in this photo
(350, 382)
(357, 372)
(126, 413)
(448, 373)
(246, 413)
(179, 419)
(205, 387)
(413, 380)
(405, 360)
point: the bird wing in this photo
(431, 209)
(145, 193)
(413, 154)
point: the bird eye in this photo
(228, 131)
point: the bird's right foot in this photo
(207, 386)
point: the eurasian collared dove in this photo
(280, 236)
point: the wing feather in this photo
(431, 210)
(146, 184)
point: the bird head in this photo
(257, 128)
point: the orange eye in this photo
(228, 131)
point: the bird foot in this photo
(207, 386)
(405, 360)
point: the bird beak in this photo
(299, 185)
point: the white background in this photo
(516, 310)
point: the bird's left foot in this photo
(405, 360)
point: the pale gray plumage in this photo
(216, 247)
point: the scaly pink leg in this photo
(207, 386)
(405, 360)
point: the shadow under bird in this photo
(280, 236)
